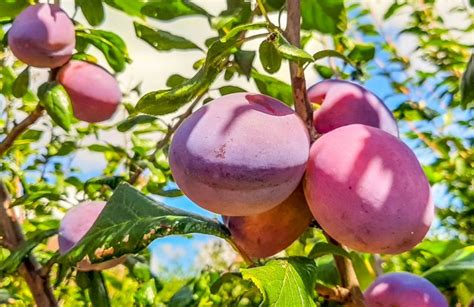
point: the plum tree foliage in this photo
(327, 178)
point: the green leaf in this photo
(54, 98)
(324, 71)
(130, 221)
(273, 87)
(110, 44)
(94, 283)
(323, 248)
(244, 58)
(11, 8)
(132, 121)
(452, 269)
(129, 7)
(325, 16)
(162, 40)
(21, 83)
(362, 53)
(285, 282)
(467, 84)
(269, 57)
(170, 9)
(110, 181)
(290, 52)
(93, 11)
(331, 53)
(393, 9)
(440, 249)
(175, 80)
(230, 89)
(14, 260)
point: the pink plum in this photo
(344, 103)
(241, 154)
(42, 36)
(367, 190)
(265, 234)
(94, 92)
(74, 225)
(403, 289)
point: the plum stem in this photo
(298, 82)
(241, 252)
(30, 269)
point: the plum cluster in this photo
(43, 36)
(248, 157)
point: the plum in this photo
(403, 289)
(241, 154)
(94, 92)
(74, 225)
(265, 234)
(367, 190)
(344, 103)
(42, 36)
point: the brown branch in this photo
(30, 269)
(336, 294)
(298, 82)
(348, 276)
(19, 128)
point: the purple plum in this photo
(241, 154)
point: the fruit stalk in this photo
(30, 269)
(304, 110)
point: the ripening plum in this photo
(42, 36)
(265, 234)
(94, 92)
(344, 103)
(74, 225)
(403, 289)
(367, 190)
(241, 154)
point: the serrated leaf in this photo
(323, 248)
(130, 221)
(170, 9)
(162, 40)
(132, 121)
(291, 52)
(452, 269)
(325, 16)
(110, 44)
(21, 83)
(467, 84)
(273, 87)
(93, 11)
(15, 259)
(54, 98)
(285, 282)
(362, 53)
(269, 57)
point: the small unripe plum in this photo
(94, 92)
(241, 154)
(403, 289)
(344, 103)
(265, 234)
(74, 225)
(42, 36)
(367, 190)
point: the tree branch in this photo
(30, 269)
(304, 110)
(20, 128)
(336, 294)
(298, 82)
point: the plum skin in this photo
(241, 154)
(94, 92)
(74, 225)
(403, 289)
(265, 234)
(367, 190)
(345, 103)
(42, 36)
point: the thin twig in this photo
(21, 127)
(30, 268)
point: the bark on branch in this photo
(30, 269)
